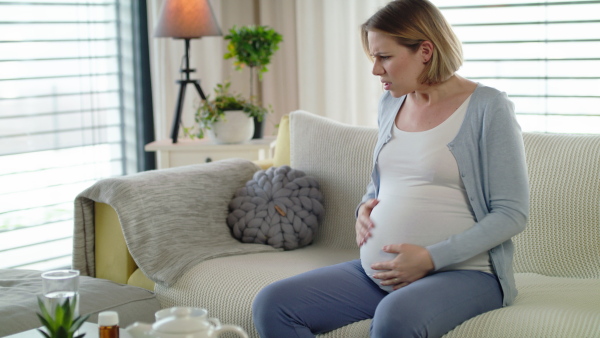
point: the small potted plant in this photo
(228, 118)
(253, 47)
(61, 323)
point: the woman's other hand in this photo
(363, 221)
(412, 263)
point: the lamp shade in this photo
(186, 19)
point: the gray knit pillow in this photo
(279, 206)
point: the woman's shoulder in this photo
(490, 104)
(485, 98)
(483, 92)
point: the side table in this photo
(90, 330)
(186, 152)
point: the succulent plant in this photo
(61, 324)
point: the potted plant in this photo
(60, 323)
(228, 118)
(252, 46)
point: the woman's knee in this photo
(276, 301)
(266, 303)
(275, 311)
(436, 304)
(398, 320)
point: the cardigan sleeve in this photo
(371, 191)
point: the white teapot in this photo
(182, 322)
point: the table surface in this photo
(90, 329)
(205, 143)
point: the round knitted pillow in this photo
(279, 206)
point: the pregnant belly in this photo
(408, 222)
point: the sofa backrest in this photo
(339, 157)
(562, 237)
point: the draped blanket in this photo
(172, 219)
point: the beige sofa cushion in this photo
(546, 307)
(339, 157)
(227, 286)
(562, 237)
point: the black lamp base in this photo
(182, 86)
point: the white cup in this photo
(59, 286)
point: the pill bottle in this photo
(108, 324)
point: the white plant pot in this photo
(235, 127)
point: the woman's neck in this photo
(431, 95)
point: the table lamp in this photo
(186, 19)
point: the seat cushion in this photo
(546, 307)
(226, 286)
(18, 300)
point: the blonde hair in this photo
(410, 22)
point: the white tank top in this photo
(422, 199)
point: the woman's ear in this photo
(426, 50)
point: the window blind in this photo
(66, 118)
(545, 55)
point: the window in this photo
(68, 111)
(545, 55)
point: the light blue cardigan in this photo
(491, 160)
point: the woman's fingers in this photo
(362, 232)
(363, 221)
(396, 282)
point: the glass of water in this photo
(60, 285)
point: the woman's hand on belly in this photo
(412, 263)
(363, 221)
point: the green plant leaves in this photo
(61, 324)
(252, 46)
(211, 111)
(44, 333)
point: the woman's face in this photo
(397, 66)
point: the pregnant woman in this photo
(448, 191)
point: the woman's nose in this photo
(377, 69)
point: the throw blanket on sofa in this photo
(191, 200)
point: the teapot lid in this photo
(181, 322)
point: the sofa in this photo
(557, 257)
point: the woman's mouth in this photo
(387, 85)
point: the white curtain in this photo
(320, 66)
(334, 74)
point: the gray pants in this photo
(331, 297)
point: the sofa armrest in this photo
(171, 219)
(113, 259)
